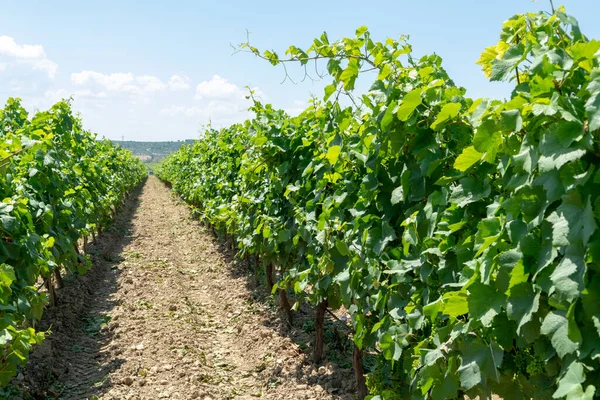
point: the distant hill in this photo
(152, 152)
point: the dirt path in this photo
(164, 313)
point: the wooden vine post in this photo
(269, 274)
(359, 373)
(285, 305)
(51, 292)
(256, 269)
(59, 280)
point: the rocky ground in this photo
(166, 312)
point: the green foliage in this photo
(58, 184)
(462, 235)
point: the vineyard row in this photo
(59, 186)
(460, 234)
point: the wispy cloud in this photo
(119, 82)
(56, 95)
(129, 83)
(214, 110)
(32, 55)
(217, 100)
(297, 108)
(219, 88)
(179, 82)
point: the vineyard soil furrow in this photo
(165, 312)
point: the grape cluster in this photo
(526, 362)
(416, 363)
(374, 382)
(536, 366)
(522, 359)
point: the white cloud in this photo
(33, 55)
(221, 112)
(219, 88)
(44, 65)
(22, 87)
(120, 82)
(83, 77)
(112, 82)
(2, 67)
(179, 82)
(10, 48)
(129, 83)
(150, 84)
(173, 111)
(297, 108)
(218, 101)
(56, 95)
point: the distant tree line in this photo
(152, 151)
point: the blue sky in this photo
(156, 70)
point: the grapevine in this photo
(59, 185)
(457, 232)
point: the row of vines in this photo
(58, 186)
(461, 235)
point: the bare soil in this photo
(166, 312)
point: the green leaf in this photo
(511, 120)
(509, 258)
(522, 303)
(517, 275)
(7, 274)
(448, 111)
(379, 237)
(283, 236)
(555, 154)
(333, 154)
(569, 385)
(409, 104)
(9, 223)
(584, 50)
(569, 132)
(7, 372)
(341, 246)
(446, 389)
(590, 298)
(488, 231)
(488, 140)
(389, 347)
(388, 116)
(504, 68)
(468, 191)
(479, 361)
(455, 304)
(485, 302)
(361, 31)
(568, 275)
(386, 71)
(266, 232)
(329, 90)
(573, 221)
(432, 309)
(555, 326)
(397, 195)
(349, 75)
(467, 158)
(592, 106)
(574, 332)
